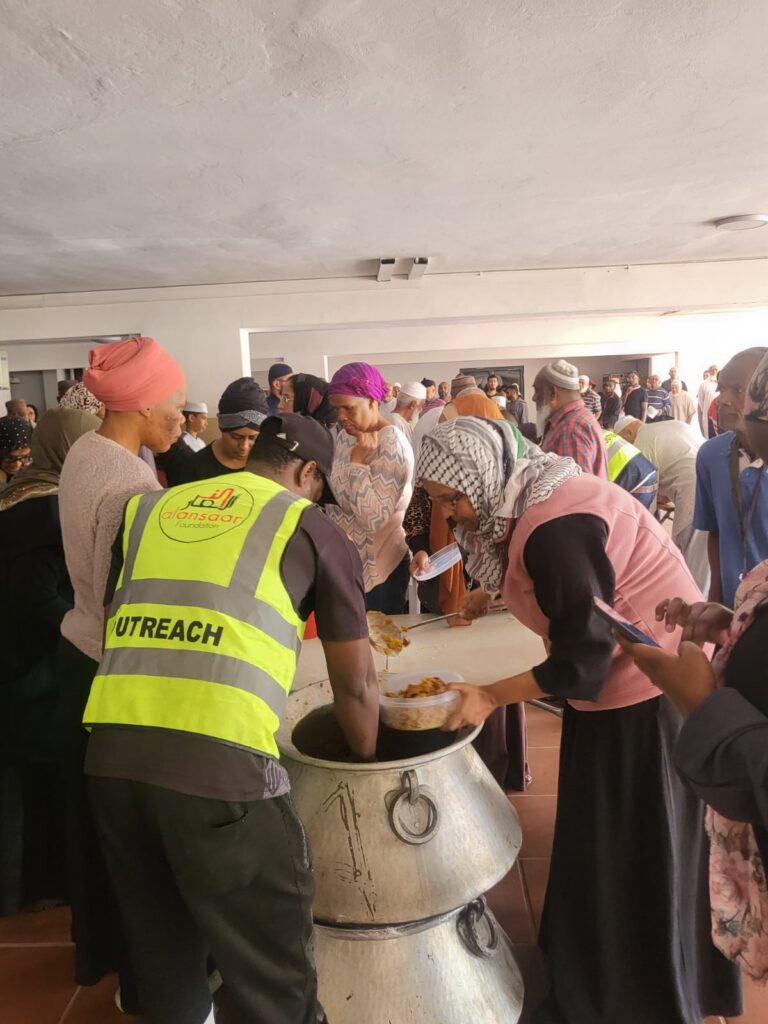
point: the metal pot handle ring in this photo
(467, 923)
(408, 800)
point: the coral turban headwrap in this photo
(131, 375)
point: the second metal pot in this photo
(454, 969)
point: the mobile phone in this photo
(620, 624)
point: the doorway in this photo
(28, 384)
(507, 375)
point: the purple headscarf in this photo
(361, 380)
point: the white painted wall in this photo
(24, 357)
(597, 345)
(527, 316)
(5, 385)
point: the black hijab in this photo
(310, 397)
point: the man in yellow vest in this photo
(629, 468)
(211, 589)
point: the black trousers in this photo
(196, 876)
(389, 597)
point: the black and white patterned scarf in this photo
(501, 474)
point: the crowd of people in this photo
(159, 578)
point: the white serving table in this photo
(491, 648)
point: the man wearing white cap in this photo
(410, 401)
(567, 426)
(195, 422)
(425, 424)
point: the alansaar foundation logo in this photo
(200, 512)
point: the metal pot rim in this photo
(465, 736)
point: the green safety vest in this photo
(202, 636)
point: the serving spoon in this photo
(389, 638)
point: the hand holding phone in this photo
(621, 626)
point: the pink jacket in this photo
(648, 568)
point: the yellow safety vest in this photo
(620, 453)
(202, 636)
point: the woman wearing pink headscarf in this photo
(372, 484)
(143, 391)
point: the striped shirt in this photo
(574, 432)
(658, 399)
(591, 399)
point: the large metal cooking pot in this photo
(454, 969)
(396, 840)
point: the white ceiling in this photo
(162, 142)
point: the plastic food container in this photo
(412, 714)
(439, 563)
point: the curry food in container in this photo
(412, 701)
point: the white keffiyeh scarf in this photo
(500, 473)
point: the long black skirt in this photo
(32, 859)
(32, 823)
(502, 747)
(97, 931)
(626, 924)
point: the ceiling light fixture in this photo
(744, 222)
(420, 264)
(386, 268)
(411, 267)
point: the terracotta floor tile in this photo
(508, 903)
(96, 1005)
(535, 874)
(533, 966)
(36, 984)
(537, 820)
(543, 763)
(47, 926)
(543, 728)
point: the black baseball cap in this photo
(307, 439)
